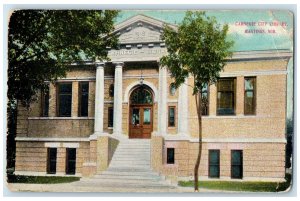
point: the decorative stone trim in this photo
(71, 145)
(52, 144)
(49, 139)
(61, 118)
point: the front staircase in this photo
(130, 168)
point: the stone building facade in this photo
(74, 127)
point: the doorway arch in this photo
(141, 112)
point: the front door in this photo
(141, 113)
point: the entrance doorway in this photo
(141, 112)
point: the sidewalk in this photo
(71, 187)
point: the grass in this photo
(241, 186)
(40, 179)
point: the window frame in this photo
(167, 156)
(234, 96)
(254, 95)
(208, 94)
(110, 110)
(169, 108)
(241, 165)
(209, 165)
(68, 160)
(80, 97)
(49, 160)
(45, 96)
(111, 90)
(58, 98)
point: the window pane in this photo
(147, 115)
(172, 89)
(65, 99)
(214, 171)
(110, 117)
(141, 96)
(84, 101)
(45, 101)
(135, 116)
(65, 88)
(214, 163)
(71, 161)
(111, 90)
(225, 97)
(65, 102)
(236, 164)
(171, 116)
(52, 156)
(170, 155)
(249, 83)
(249, 105)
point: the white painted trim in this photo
(61, 118)
(71, 145)
(253, 73)
(52, 144)
(172, 101)
(30, 173)
(232, 117)
(136, 83)
(49, 139)
(241, 140)
(89, 164)
(68, 79)
(206, 178)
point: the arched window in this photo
(172, 89)
(111, 90)
(141, 95)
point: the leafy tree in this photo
(198, 48)
(41, 45)
(42, 42)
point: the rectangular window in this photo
(83, 99)
(226, 96)
(110, 117)
(250, 96)
(205, 100)
(64, 99)
(51, 160)
(71, 161)
(214, 163)
(170, 155)
(171, 116)
(45, 101)
(237, 164)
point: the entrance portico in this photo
(140, 43)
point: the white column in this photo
(183, 104)
(99, 98)
(162, 101)
(117, 129)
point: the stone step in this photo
(128, 177)
(124, 182)
(125, 185)
(130, 173)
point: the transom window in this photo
(141, 95)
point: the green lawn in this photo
(241, 186)
(40, 179)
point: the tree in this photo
(198, 48)
(41, 45)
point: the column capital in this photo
(118, 64)
(99, 64)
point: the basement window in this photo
(51, 160)
(170, 156)
(71, 161)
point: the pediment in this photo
(140, 29)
